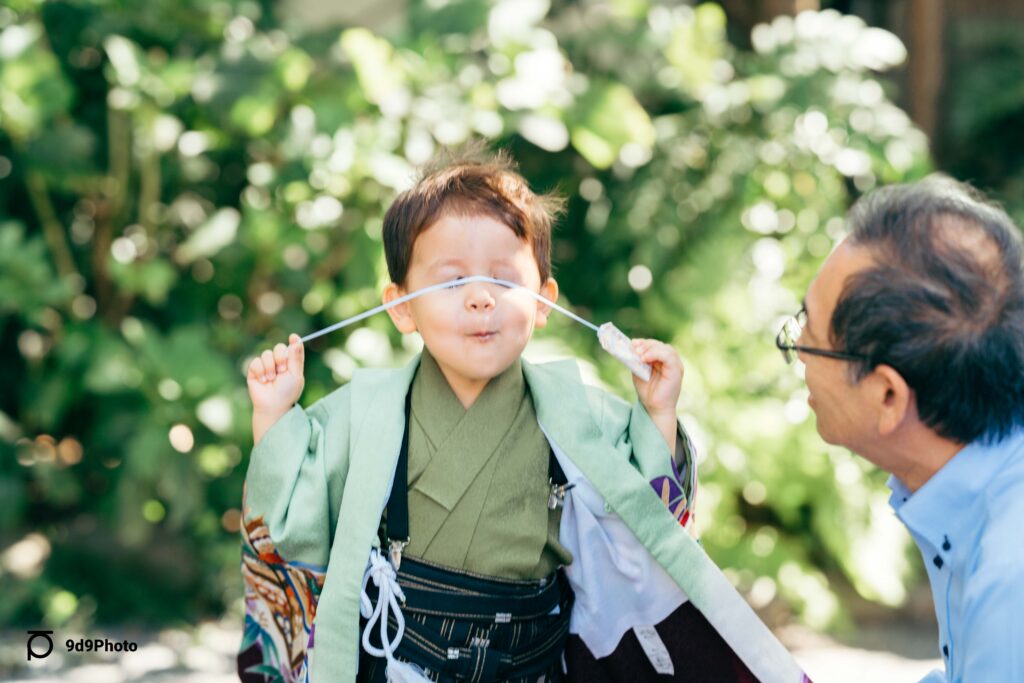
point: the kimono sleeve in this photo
(296, 476)
(673, 476)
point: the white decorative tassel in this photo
(404, 672)
(384, 577)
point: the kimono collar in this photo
(461, 441)
(438, 410)
(378, 414)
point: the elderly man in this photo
(912, 336)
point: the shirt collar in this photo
(944, 507)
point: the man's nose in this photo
(478, 297)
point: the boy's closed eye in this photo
(508, 276)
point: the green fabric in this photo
(319, 477)
(478, 479)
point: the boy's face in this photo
(474, 331)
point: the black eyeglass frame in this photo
(787, 348)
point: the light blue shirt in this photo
(968, 522)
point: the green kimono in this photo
(478, 479)
(319, 479)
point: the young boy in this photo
(517, 498)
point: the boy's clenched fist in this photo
(275, 380)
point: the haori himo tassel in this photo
(382, 571)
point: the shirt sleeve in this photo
(993, 625)
(295, 478)
(935, 676)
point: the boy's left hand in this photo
(660, 394)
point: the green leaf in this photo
(187, 357)
(27, 281)
(294, 68)
(125, 59)
(31, 80)
(256, 114)
(65, 150)
(607, 118)
(375, 64)
(114, 367)
(697, 45)
(630, 9)
(150, 279)
(13, 501)
(212, 236)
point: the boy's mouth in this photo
(484, 335)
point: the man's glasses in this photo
(786, 341)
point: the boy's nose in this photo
(478, 297)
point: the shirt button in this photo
(945, 651)
(937, 561)
(945, 543)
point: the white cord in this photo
(389, 593)
(611, 338)
(450, 284)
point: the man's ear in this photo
(401, 316)
(893, 398)
(548, 290)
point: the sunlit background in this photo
(185, 182)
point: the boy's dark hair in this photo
(943, 305)
(472, 183)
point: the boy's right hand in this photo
(275, 378)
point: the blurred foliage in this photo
(185, 182)
(985, 100)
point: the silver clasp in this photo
(395, 550)
(556, 498)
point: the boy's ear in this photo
(548, 290)
(401, 316)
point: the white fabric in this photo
(619, 345)
(618, 584)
